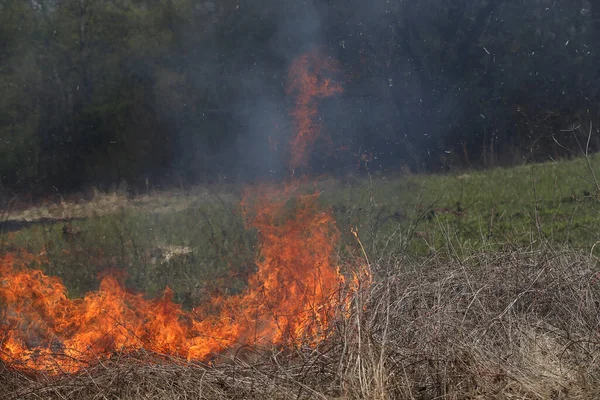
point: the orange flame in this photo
(309, 80)
(291, 298)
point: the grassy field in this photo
(485, 287)
(195, 238)
(479, 210)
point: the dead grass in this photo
(512, 325)
(99, 204)
(516, 324)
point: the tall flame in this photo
(309, 80)
(292, 296)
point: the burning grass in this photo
(291, 299)
(517, 324)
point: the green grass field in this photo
(195, 239)
(555, 202)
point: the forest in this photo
(97, 93)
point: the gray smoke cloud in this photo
(406, 71)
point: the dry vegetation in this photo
(494, 319)
(98, 204)
(515, 324)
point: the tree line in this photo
(98, 92)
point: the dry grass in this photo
(513, 325)
(516, 324)
(99, 204)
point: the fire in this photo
(309, 80)
(290, 299)
(43, 329)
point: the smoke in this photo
(262, 106)
(421, 80)
(261, 144)
(365, 119)
(381, 110)
(359, 119)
